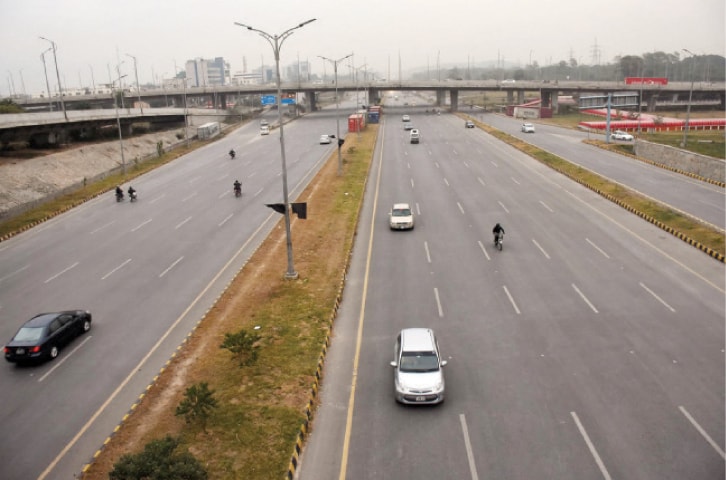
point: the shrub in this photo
(159, 462)
(242, 345)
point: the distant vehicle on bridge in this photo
(646, 81)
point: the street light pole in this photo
(47, 84)
(690, 98)
(118, 124)
(186, 111)
(276, 42)
(337, 105)
(138, 89)
(57, 74)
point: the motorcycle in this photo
(119, 196)
(499, 241)
(232, 154)
(238, 191)
(132, 196)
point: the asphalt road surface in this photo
(591, 347)
(148, 272)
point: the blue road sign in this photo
(268, 100)
(288, 101)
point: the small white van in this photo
(264, 130)
(415, 136)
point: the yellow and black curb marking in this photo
(309, 409)
(709, 251)
(161, 371)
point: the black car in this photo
(43, 335)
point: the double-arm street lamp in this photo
(690, 98)
(57, 74)
(118, 123)
(337, 104)
(47, 84)
(276, 42)
(138, 89)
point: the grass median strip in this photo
(702, 236)
(252, 432)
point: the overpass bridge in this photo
(88, 115)
(447, 93)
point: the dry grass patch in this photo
(252, 433)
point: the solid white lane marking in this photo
(467, 445)
(582, 295)
(503, 207)
(511, 299)
(702, 431)
(115, 270)
(597, 248)
(428, 254)
(540, 249)
(593, 451)
(657, 297)
(61, 273)
(438, 302)
(171, 266)
(461, 209)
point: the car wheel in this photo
(86, 326)
(53, 352)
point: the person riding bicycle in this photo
(498, 232)
(232, 153)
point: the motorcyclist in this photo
(119, 192)
(498, 231)
(237, 187)
(232, 153)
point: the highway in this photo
(591, 347)
(148, 272)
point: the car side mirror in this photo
(443, 363)
(394, 364)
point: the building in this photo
(206, 73)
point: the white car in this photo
(528, 128)
(620, 135)
(325, 139)
(406, 118)
(264, 130)
(418, 367)
(401, 217)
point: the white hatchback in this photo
(528, 128)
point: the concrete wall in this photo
(707, 167)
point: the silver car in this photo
(418, 368)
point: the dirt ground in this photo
(26, 180)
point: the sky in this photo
(390, 37)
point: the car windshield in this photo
(29, 334)
(419, 362)
(401, 212)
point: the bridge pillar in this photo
(440, 97)
(520, 97)
(312, 101)
(454, 100)
(223, 101)
(510, 97)
(374, 96)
